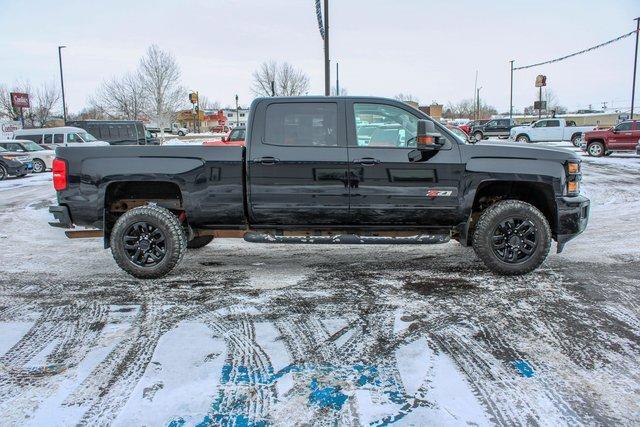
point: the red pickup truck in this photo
(623, 137)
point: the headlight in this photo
(573, 167)
(573, 178)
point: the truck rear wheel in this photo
(199, 242)
(148, 242)
(512, 237)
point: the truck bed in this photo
(209, 180)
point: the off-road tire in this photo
(523, 138)
(592, 149)
(494, 215)
(3, 172)
(199, 242)
(169, 225)
(39, 166)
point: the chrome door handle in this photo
(367, 161)
(266, 160)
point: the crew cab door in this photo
(297, 163)
(624, 137)
(388, 189)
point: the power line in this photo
(562, 58)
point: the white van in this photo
(64, 136)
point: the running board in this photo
(348, 239)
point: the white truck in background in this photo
(553, 129)
(174, 129)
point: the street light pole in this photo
(511, 94)
(327, 69)
(64, 104)
(237, 113)
(635, 66)
(478, 103)
(337, 80)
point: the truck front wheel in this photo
(512, 237)
(199, 242)
(148, 242)
(595, 149)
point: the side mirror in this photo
(428, 142)
(427, 139)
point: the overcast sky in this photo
(430, 49)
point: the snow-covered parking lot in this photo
(248, 335)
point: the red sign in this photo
(19, 100)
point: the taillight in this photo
(59, 168)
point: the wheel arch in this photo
(122, 196)
(539, 194)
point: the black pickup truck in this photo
(351, 170)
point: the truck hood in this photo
(512, 151)
(594, 133)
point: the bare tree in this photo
(407, 97)
(343, 91)
(122, 97)
(467, 109)
(206, 104)
(160, 75)
(45, 101)
(288, 80)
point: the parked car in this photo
(14, 164)
(234, 137)
(39, 156)
(115, 132)
(554, 129)
(458, 132)
(175, 129)
(498, 128)
(303, 177)
(623, 137)
(638, 148)
(466, 128)
(64, 136)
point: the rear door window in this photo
(553, 123)
(35, 138)
(47, 138)
(58, 138)
(309, 124)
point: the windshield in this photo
(32, 146)
(86, 136)
(459, 134)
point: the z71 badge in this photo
(432, 194)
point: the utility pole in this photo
(635, 66)
(64, 104)
(327, 69)
(237, 112)
(337, 80)
(475, 89)
(511, 93)
(478, 103)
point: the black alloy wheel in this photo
(514, 240)
(145, 244)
